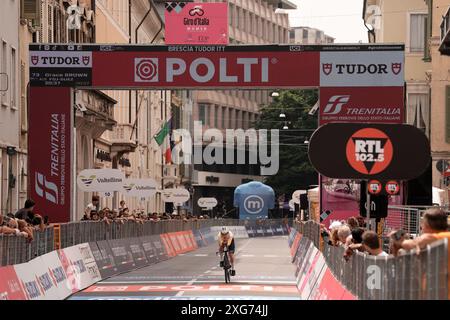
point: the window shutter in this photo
(30, 9)
(447, 114)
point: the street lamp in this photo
(282, 115)
(275, 94)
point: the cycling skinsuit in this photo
(230, 242)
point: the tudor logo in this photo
(34, 60)
(396, 68)
(86, 60)
(327, 68)
(369, 151)
(335, 104)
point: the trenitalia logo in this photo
(46, 189)
(335, 104)
(203, 70)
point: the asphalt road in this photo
(263, 272)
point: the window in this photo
(292, 34)
(417, 32)
(202, 113)
(13, 90)
(224, 109)
(216, 116)
(447, 114)
(231, 15)
(4, 66)
(418, 111)
(305, 35)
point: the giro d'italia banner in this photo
(196, 23)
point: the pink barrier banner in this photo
(197, 23)
(10, 286)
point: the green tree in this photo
(295, 170)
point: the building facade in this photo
(397, 21)
(307, 35)
(13, 165)
(437, 18)
(250, 22)
(114, 129)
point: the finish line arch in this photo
(357, 83)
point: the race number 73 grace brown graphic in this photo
(369, 151)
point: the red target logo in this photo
(146, 70)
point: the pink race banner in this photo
(197, 23)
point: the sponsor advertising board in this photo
(139, 188)
(191, 66)
(196, 23)
(369, 151)
(105, 180)
(362, 104)
(49, 147)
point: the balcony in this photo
(122, 139)
(444, 48)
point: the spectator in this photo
(371, 244)
(343, 233)
(122, 205)
(357, 235)
(434, 227)
(361, 222)
(94, 206)
(26, 213)
(352, 222)
(38, 222)
(4, 229)
(24, 228)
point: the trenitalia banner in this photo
(196, 23)
(361, 104)
(50, 155)
(369, 151)
(189, 66)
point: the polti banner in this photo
(196, 23)
(369, 151)
(361, 104)
(50, 154)
(218, 66)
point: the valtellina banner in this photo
(101, 180)
(139, 188)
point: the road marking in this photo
(209, 271)
(241, 280)
(247, 255)
(291, 289)
(270, 256)
(200, 255)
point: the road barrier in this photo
(58, 274)
(327, 275)
(16, 250)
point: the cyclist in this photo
(226, 238)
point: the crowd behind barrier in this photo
(59, 274)
(16, 250)
(410, 276)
